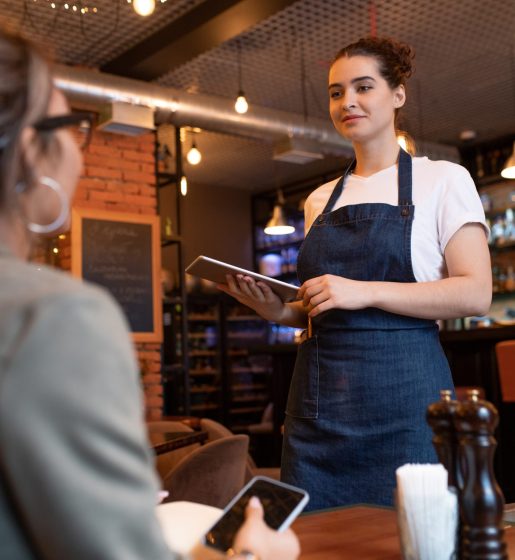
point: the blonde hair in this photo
(25, 90)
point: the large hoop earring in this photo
(63, 213)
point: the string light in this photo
(144, 7)
(141, 7)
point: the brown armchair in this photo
(210, 475)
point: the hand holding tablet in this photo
(216, 271)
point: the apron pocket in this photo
(303, 394)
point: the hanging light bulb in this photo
(278, 224)
(194, 156)
(241, 106)
(508, 171)
(184, 185)
(144, 7)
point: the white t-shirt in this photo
(444, 196)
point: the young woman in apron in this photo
(373, 361)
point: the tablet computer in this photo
(216, 271)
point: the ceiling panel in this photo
(464, 78)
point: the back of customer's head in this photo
(25, 89)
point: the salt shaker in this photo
(481, 503)
(440, 416)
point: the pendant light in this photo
(241, 106)
(144, 7)
(508, 171)
(194, 156)
(278, 224)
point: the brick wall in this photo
(119, 176)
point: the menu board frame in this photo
(84, 216)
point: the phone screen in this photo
(279, 502)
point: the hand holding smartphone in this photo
(281, 503)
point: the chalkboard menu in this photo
(121, 253)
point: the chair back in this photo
(214, 429)
(210, 475)
(163, 426)
(505, 352)
(166, 462)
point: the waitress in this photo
(392, 246)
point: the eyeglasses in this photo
(80, 123)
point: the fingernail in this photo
(254, 502)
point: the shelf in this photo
(257, 387)
(201, 335)
(245, 318)
(169, 368)
(199, 317)
(200, 372)
(498, 211)
(172, 300)
(490, 180)
(249, 370)
(253, 398)
(204, 407)
(249, 335)
(246, 410)
(506, 294)
(242, 352)
(204, 389)
(503, 246)
(194, 353)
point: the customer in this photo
(76, 473)
(395, 244)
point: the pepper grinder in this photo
(482, 502)
(440, 416)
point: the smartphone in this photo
(281, 503)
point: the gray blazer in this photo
(76, 475)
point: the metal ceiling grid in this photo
(458, 46)
(464, 77)
(89, 39)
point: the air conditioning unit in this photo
(125, 118)
(297, 150)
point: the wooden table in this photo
(356, 533)
(163, 442)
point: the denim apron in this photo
(363, 380)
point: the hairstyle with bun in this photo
(394, 58)
(395, 62)
(25, 91)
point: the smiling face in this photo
(361, 103)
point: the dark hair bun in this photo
(395, 58)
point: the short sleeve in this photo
(459, 205)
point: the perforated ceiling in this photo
(465, 66)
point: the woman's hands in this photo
(257, 537)
(333, 292)
(256, 295)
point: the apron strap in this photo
(338, 189)
(404, 181)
